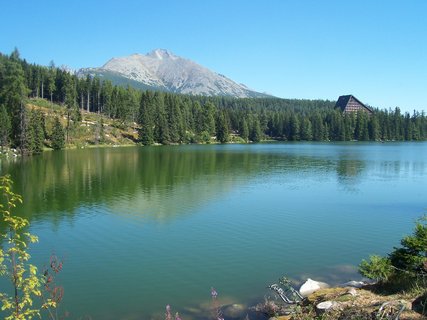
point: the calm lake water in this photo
(142, 227)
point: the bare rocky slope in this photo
(162, 70)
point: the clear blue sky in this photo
(376, 50)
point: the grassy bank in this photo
(92, 130)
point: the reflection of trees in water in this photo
(160, 181)
(349, 172)
(61, 181)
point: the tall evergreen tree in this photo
(5, 127)
(51, 80)
(58, 135)
(361, 131)
(306, 130)
(255, 133)
(318, 128)
(12, 94)
(222, 134)
(244, 130)
(209, 118)
(35, 133)
(294, 128)
(146, 120)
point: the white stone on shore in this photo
(326, 305)
(311, 286)
(352, 291)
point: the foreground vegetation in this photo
(156, 117)
(30, 292)
(400, 290)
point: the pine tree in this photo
(306, 130)
(51, 80)
(221, 128)
(12, 95)
(295, 128)
(255, 134)
(373, 126)
(35, 133)
(73, 112)
(318, 128)
(175, 121)
(244, 131)
(361, 131)
(58, 135)
(145, 120)
(209, 118)
(5, 127)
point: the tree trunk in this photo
(98, 102)
(87, 106)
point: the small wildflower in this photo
(214, 294)
(168, 312)
(177, 317)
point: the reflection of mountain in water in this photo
(157, 182)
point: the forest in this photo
(166, 118)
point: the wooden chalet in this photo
(350, 103)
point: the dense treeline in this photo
(169, 118)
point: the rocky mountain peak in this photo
(161, 54)
(162, 70)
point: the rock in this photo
(326, 305)
(234, 311)
(354, 284)
(352, 291)
(281, 318)
(311, 286)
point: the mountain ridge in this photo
(162, 70)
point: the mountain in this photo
(162, 70)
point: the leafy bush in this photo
(27, 283)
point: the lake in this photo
(142, 227)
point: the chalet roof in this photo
(343, 101)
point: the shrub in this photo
(409, 261)
(377, 268)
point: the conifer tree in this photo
(146, 120)
(306, 130)
(12, 94)
(295, 128)
(222, 134)
(244, 131)
(58, 135)
(35, 133)
(5, 127)
(255, 134)
(209, 118)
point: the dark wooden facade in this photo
(350, 103)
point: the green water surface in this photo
(142, 227)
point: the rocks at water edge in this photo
(354, 284)
(352, 291)
(311, 286)
(326, 306)
(234, 311)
